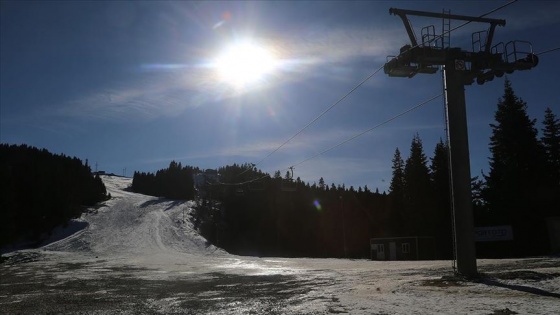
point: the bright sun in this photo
(244, 64)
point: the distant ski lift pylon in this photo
(288, 184)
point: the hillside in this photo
(133, 225)
(134, 254)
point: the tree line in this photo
(280, 216)
(522, 187)
(41, 190)
(174, 182)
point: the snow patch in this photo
(144, 241)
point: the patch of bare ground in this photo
(505, 311)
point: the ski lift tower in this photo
(461, 68)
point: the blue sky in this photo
(133, 84)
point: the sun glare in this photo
(244, 64)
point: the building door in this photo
(380, 251)
(392, 251)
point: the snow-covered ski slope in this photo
(137, 227)
(135, 254)
(146, 232)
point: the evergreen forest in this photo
(174, 182)
(41, 190)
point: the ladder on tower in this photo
(446, 30)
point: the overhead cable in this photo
(362, 83)
(320, 115)
(370, 129)
(343, 142)
(547, 51)
(461, 25)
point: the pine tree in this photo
(440, 172)
(397, 182)
(515, 173)
(396, 195)
(442, 201)
(418, 192)
(322, 183)
(551, 142)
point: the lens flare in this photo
(317, 205)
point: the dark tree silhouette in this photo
(175, 182)
(40, 190)
(419, 210)
(396, 195)
(551, 142)
(442, 202)
(514, 182)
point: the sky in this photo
(133, 85)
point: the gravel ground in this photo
(28, 287)
(33, 282)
